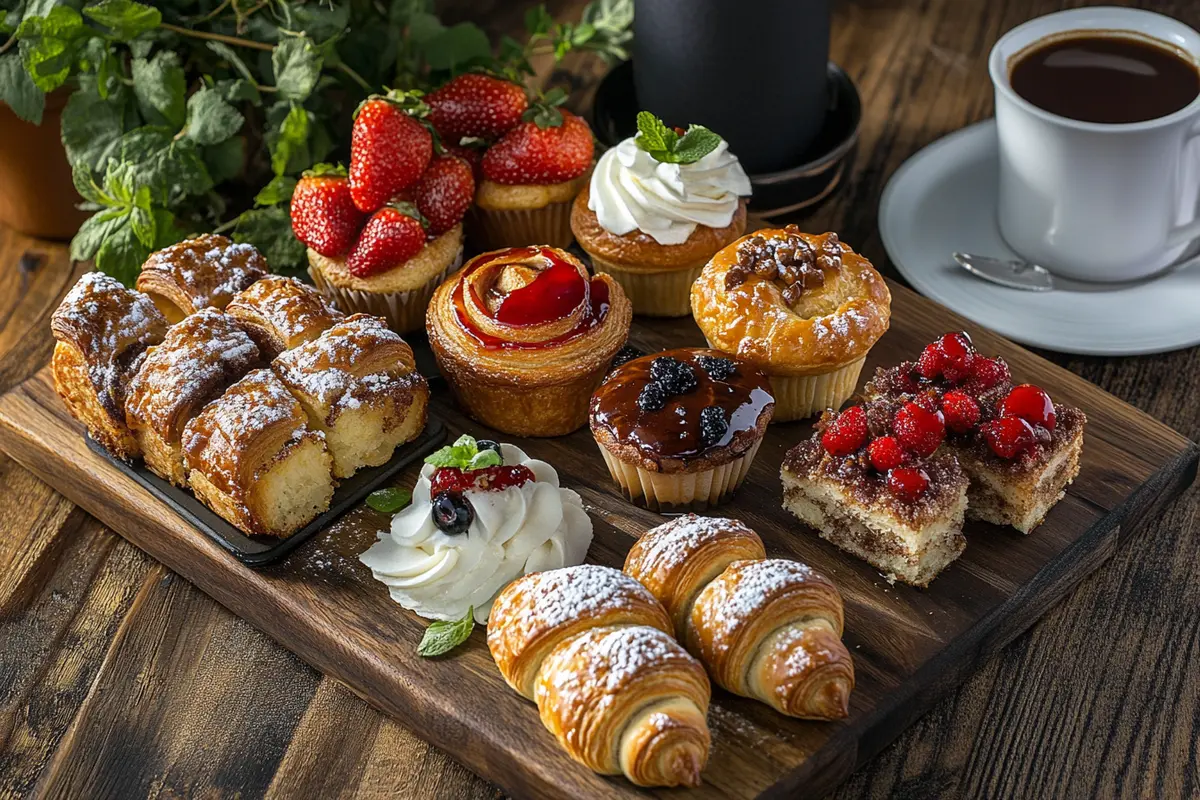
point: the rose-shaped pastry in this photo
(803, 308)
(524, 336)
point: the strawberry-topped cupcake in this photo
(382, 237)
(531, 176)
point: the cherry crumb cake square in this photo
(870, 480)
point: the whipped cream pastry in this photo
(469, 532)
(631, 190)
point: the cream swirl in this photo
(520, 529)
(630, 190)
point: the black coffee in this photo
(1095, 77)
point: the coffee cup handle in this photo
(1182, 234)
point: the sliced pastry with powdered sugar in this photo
(205, 271)
(593, 648)
(765, 628)
(803, 308)
(282, 313)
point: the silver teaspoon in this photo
(1013, 274)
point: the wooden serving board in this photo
(909, 645)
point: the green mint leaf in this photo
(18, 91)
(210, 119)
(279, 190)
(270, 230)
(457, 455)
(141, 220)
(652, 133)
(484, 459)
(167, 232)
(171, 168)
(94, 231)
(240, 91)
(288, 138)
(695, 144)
(612, 21)
(92, 127)
(99, 57)
(389, 500)
(235, 61)
(457, 47)
(85, 184)
(160, 87)
(48, 45)
(321, 21)
(4, 26)
(441, 637)
(126, 19)
(297, 63)
(122, 254)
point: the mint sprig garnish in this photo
(389, 500)
(464, 454)
(667, 146)
(443, 636)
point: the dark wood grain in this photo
(909, 646)
(1099, 699)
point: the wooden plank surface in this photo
(1099, 699)
(909, 646)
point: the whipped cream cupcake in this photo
(482, 515)
(658, 206)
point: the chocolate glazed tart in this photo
(679, 430)
(524, 336)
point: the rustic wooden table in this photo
(117, 678)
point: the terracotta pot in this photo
(37, 197)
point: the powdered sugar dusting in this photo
(292, 308)
(605, 660)
(210, 268)
(672, 543)
(734, 598)
(560, 595)
(325, 367)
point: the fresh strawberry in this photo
(932, 362)
(988, 372)
(919, 430)
(324, 216)
(1008, 437)
(445, 192)
(392, 235)
(471, 151)
(885, 453)
(1031, 404)
(908, 483)
(847, 433)
(540, 152)
(960, 411)
(389, 149)
(476, 105)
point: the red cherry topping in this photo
(908, 483)
(489, 479)
(956, 347)
(847, 433)
(932, 362)
(552, 295)
(1008, 437)
(1031, 404)
(885, 453)
(988, 372)
(960, 411)
(919, 430)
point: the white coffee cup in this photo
(1094, 201)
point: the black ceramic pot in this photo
(751, 70)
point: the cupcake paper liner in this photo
(404, 311)
(667, 293)
(491, 230)
(680, 491)
(802, 396)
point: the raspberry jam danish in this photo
(524, 335)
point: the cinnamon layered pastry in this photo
(196, 361)
(252, 458)
(103, 330)
(524, 336)
(592, 647)
(280, 313)
(770, 629)
(359, 384)
(205, 271)
(803, 308)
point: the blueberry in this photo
(713, 425)
(452, 513)
(719, 369)
(652, 398)
(673, 375)
(625, 355)
(487, 444)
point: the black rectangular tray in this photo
(259, 551)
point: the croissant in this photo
(592, 648)
(205, 271)
(769, 629)
(281, 313)
(358, 383)
(196, 361)
(251, 458)
(103, 330)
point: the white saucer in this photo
(944, 199)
